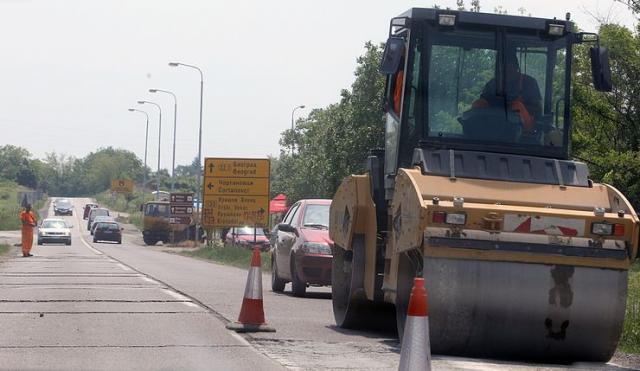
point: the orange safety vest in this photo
(517, 105)
(397, 92)
(28, 219)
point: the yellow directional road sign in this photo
(236, 192)
(122, 185)
(236, 168)
(237, 186)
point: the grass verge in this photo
(229, 255)
(9, 207)
(630, 340)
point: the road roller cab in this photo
(522, 254)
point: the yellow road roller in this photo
(523, 256)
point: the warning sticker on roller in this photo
(550, 225)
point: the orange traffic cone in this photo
(416, 349)
(251, 318)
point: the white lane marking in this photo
(190, 304)
(125, 268)
(242, 340)
(176, 295)
(149, 279)
(90, 247)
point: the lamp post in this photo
(146, 140)
(175, 120)
(159, 141)
(292, 113)
(198, 181)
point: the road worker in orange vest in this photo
(28, 220)
(521, 91)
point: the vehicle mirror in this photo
(601, 69)
(391, 56)
(286, 228)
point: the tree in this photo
(333, 142)
(607, 125)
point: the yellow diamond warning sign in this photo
(236, 192)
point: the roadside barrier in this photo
(416, 348)
(251, 318)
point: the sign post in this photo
(181, 209)
(236, 192)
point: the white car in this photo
(54, 231)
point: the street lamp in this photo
(146, 140)
(159, 138)
(175, 119)
(292, 138)
(198, 181)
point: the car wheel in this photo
(149, 241)
(277, 283)
(95, 239)
(39, 242)
(119, 242)
(298, 287)
(68, 243)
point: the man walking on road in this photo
(28, 220)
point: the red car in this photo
(302, 248)
(247, 237)
(87, 209)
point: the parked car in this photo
(54, 231)
(108, 231)
(95, 212)
(62, 207)
(248, 237)
(302, 250)
(87, 209)
(100, 218)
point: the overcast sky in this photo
(71, 68)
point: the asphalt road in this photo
(119, 307)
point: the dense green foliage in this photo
(9, 207)
(606, 129)
(59, 175)
(333, 142)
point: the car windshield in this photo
(99, 212)
(316, 216)
(108, 226)
(249, 231)
(157, 210)
(63, 204)
(56, 224)
(503, 90)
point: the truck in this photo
(158, 224)
(523, 255)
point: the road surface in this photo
(131, 307)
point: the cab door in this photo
(285, 241)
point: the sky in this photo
(71, 68)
